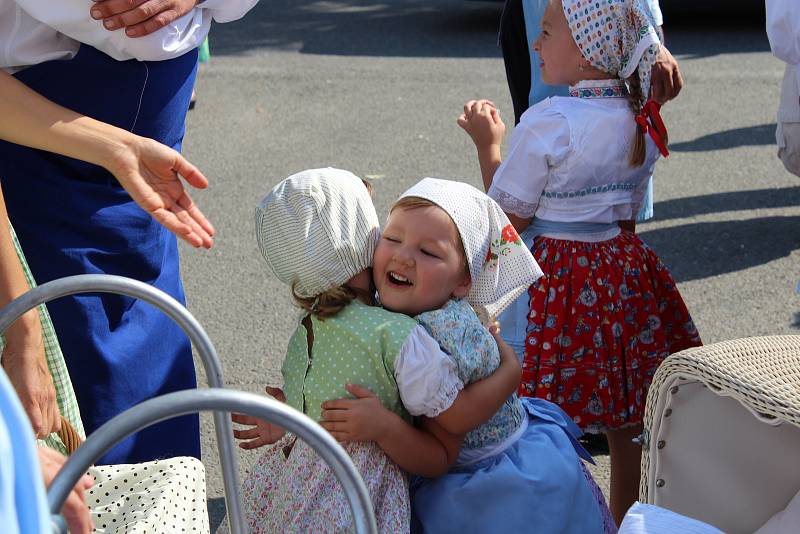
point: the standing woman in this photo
(74, 218)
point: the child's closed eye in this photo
(390, 239)
(429, 253)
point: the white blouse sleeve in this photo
(71, 18)
(539, 141)
(783, 29)
(426, 376)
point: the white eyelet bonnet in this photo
(317, 229)
(500, 265)
(615, 36)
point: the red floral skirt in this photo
(602, 318)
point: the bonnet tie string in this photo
(649, 121)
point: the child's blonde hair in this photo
(635, 99)
(332, 301)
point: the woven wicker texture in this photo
(762, 373)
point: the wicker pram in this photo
(722, 432)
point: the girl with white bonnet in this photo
(317, 231)
(448, 251)
(605, 314)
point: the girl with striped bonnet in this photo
(595, 327)
(317, 231)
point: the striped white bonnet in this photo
(317, 229)
(500, 265)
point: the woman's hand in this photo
(361, 419)
(75, 511)
(26, 366)
(482, 122)
(139, 17)
(665, 77)
(149, 172)
(262, 432)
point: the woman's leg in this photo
(625, 469)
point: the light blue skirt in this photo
(535, 485)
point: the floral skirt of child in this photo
(301, 494)
(601, 320)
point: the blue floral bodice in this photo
(462, 336)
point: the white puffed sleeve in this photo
(426, 376)
(539, 141)
(783, 29)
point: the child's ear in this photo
(464, 285)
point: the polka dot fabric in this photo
(501, 267)
(616, 36)
(160, 497)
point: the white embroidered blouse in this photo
(568, 159)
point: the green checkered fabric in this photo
(67, 403)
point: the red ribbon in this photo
(649, 121)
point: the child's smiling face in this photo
(419, 262)
(561, 58)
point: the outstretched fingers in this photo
(187, 212)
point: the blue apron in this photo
(74, 218)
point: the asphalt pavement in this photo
(375, 88)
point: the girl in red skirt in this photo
(593, 330)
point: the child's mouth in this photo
(398, 280)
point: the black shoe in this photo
(595, 443)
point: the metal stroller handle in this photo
(120, 285)
(190, 401)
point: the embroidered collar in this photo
(599, 89)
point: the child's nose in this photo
(403, 257)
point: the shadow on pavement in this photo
(455, 28)
(700, 250)
(763, 134)
(783, 197)
(402, 28)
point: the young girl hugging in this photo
(317, 231)
(596, 326)
(447, 251)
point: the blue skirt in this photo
(74, 218)
(535, 485)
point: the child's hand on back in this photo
(482, 122)
(261, 432)
(361, 419)
(508, 358)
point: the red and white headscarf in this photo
(500, 265)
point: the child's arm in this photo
(482, 122)
(261, 432)
(479, 401)
(427, 453)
